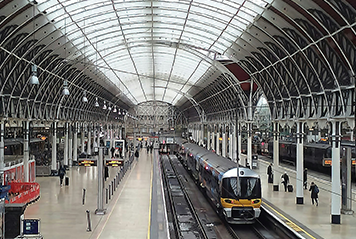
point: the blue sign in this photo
(31, 226)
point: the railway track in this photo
(192, 215)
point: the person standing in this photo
(314, 193)
(112, 152)
(285, 180)
(136, 154)
(270, 173)
(106, 172)
(305, 175)
(61, 173)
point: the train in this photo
(217, 176)
(315, 153)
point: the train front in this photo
(241, 205)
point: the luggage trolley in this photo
(30, 229)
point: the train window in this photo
(249, 188)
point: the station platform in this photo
(134, 210)
(308, 220)
(137, 208)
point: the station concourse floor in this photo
(133, 211)
(137, 210)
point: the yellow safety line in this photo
(150, 207)
(289, 222)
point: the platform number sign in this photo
(31, 226)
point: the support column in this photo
(217, 147)
(120, 133)
(230, 141)
(249, 145)
(300, 163)
(98, 137)
(335, 173)
(239, 141)
(89, 140)
(2, 152)
(65, 154)
(346, 182)
(100, 164)
(54, 148)
(75, 144)
(234, 143)
(276, 173)
(26, 151)
(208, 142)
(223, 143)
(82, 138)
(70, 145)
(213, 140)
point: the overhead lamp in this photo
(109, 108)
(96, 102)
(104, 107)
(114, 110)
(85, 99)
(65, 88)
(33, 77)
(119, 112)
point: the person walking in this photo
(314, 193)
(112, 152)
(305, 175)
(106, 172)
(61, 173)
(136, 154)
(285, 180)
(270, 173)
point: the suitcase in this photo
(66, 182)
(290, 188)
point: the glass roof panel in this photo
(152, 49)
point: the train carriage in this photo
(218, 177)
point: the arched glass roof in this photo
(152, 50)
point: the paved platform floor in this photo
(129, 213)
(308, 216)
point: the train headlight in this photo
(228, 201)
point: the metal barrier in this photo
(89, 223)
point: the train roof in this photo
(219, 163)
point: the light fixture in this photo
(114, 110)
(65, 88)
(96, 102)
(33, 77)
(104, 107)
(109, 108)
(119, 112)
(85, 99)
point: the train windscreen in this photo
(249, 188)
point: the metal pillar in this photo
(276, 156)
(75, 144)
(217, 147)
(300, 163)
(54, 148)
(239, 140)
(89, 140)
(100, 210)
(230, 142)
(26, 150)
(346, 207)
(66, 163)
(70, 145)
(249, 145)
(223, 143)
(2, 152)
(82, 138)
(213, 141)
(98, 136)
(234, 143)
(208, 142)
(335, 173)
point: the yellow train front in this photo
(240, 205)
(239, 202)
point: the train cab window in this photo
(249, 188)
